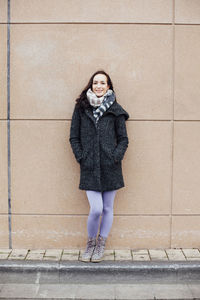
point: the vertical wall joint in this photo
(8, 124)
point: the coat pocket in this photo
(107, 158)
(87, 161)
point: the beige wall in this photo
(151, 50)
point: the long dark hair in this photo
(82, 100)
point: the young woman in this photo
(99, 140)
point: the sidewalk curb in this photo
(104, 266)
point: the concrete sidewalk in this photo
(124, 274)
(100, 292)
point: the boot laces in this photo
(90, 244)
(100, 246)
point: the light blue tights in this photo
(100, 203)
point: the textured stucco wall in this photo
(151, 50)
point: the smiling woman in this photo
(99, 140)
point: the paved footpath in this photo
(111, 255)
(124, 274)
(101, 291)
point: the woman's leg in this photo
(96, 208)
(107, 217)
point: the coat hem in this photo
(100, 190)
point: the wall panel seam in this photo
(100, 23)
(88, 23)
(8, 124)
(86, 215)
(129, 120)
(115, 215)
(172, 130)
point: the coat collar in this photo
(117, 110)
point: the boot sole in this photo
(84, 260)
(96, 260)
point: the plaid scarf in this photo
(103, 102)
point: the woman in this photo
(99, 140)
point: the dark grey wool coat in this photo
(99, 147)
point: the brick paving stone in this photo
(123, 255)
(71, 251)
(4, 255)
(140, 251)
(191, 253)
(35, 256)
(53, 254)
(35, 251)
(141, 257)
(109, 255)
(69, 257)
(70, 254)
(158, 254)
(175, 254)
(2, 251)
(18, 254)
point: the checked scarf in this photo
(102, 103)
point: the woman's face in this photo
(100, 85)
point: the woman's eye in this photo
(94, 83)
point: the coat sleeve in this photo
(74, 138)
(122, 138)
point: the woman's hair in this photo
(82, 100)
